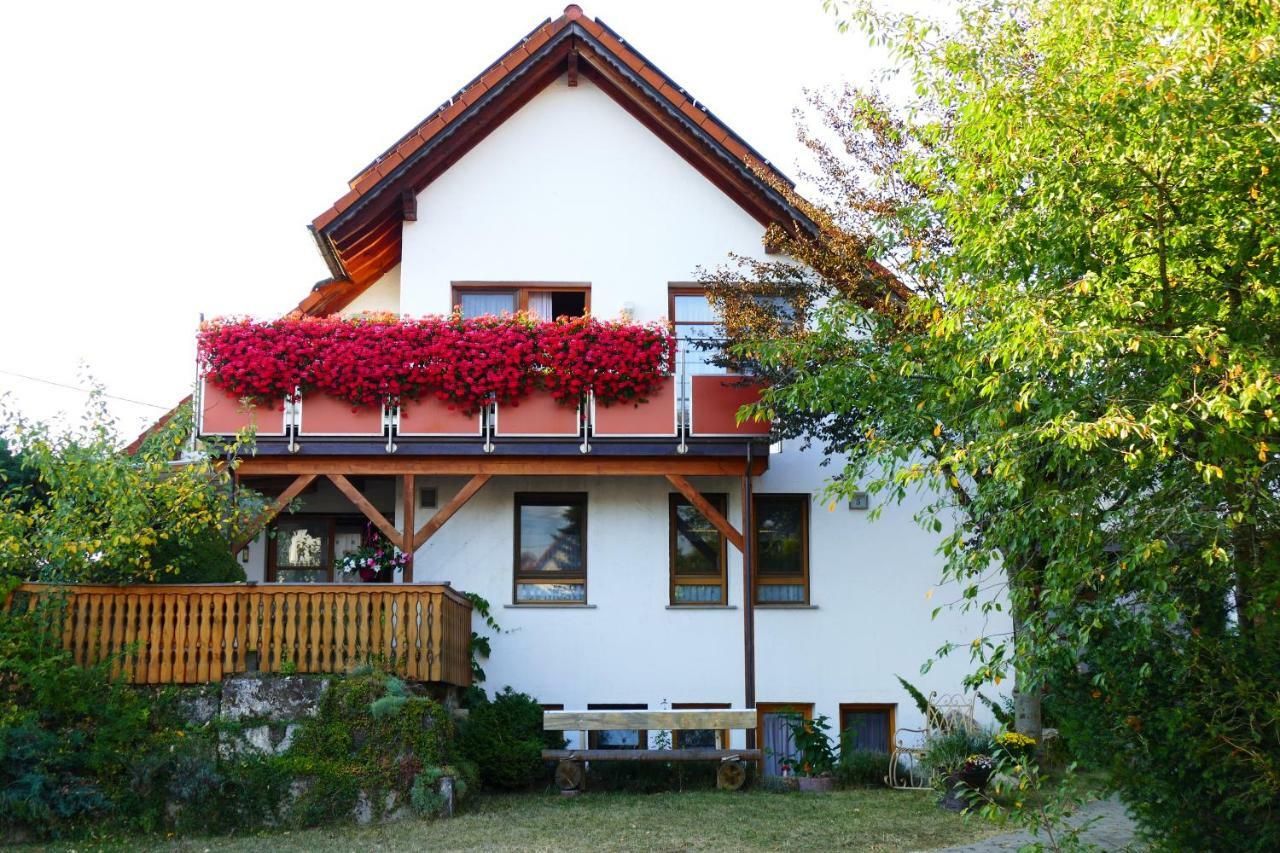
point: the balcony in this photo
(692, 411)
(195, 634)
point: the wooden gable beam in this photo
(447, 511)
(409, 206)
(295, 489)
(362, 503)
(573, 65)
(718, 521)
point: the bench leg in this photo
(570, 775)
(731, 775)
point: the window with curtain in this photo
(551, 548)
(698, 553)
(477, 303)
(867, 728)
(780, 530)
(546, 302)
(694, 320)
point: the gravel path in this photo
(1112, 831)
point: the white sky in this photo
(163, 159)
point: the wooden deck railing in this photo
(190, 634)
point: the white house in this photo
(573, 175)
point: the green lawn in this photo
(704, 820)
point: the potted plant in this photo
(960, 761)
(377, 561)
(815, 760)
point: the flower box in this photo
(325, 415)
(714, 404)
(430, 416)
(223, 413)
(537, 416)
(656, 417)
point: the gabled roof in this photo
(359, 235)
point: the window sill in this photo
(786, 607)
(702, 607)
(548, 607)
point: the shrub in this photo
(205, 557)
(504, 738)
(858, 768)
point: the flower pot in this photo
(959, 784)
(815, 784)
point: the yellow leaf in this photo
(1262, 451)
(831, 507)
(937, 430)
(1017, 406)
(928, 593)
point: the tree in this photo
(77, 509)
(1083, 199)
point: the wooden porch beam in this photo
(718, 521)
(614, 466)
(295, 488)
(406, 538)
(447, 511)
(362, 503)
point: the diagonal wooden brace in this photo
(362, 503)
(295, 489)
(718, 521)
(447, 511)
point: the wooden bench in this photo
(571, 772)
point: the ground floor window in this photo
(697, 553)
(551, 548)
(622, 739)
(306, 547)
(700, 738)
(780, 539)
(774, 730)
(867, 727)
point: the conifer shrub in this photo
(504, 738)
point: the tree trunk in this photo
(1027, 718)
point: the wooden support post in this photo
(748, 598)
(446, 512)
(362, 503)
(295, 488)
(408, 526)
(573, 67)
(718, 521)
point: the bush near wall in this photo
(82, 754)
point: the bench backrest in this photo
(604, 721)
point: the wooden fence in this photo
(196, 633)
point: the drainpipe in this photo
(748, 598)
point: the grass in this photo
(879, 820)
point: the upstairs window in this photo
(551, 548)
(780, 540)
(697, 554)
(694, 320)
(546, 301)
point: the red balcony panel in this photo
(655, 418)
(223, 413)
(430, 416)
(325, 415)
(537, 416)
(715, 404)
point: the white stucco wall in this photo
(572, 188)
(382, 296)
